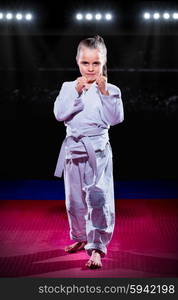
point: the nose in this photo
(90, 68)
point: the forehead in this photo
(90, 54)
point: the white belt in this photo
(88, 147)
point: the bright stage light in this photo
(166, 15)
(146, 15)
(79, 16)
(98, 16)
(93, 16)
(15, 16)
(28, 17)
(175, 15)
(156, 15)
(9, 16)
(89, 16)
(108, 16)
(19, 16)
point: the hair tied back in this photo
(99, 38)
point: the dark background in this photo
(142, 60)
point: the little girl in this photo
(88, 106)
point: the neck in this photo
(90, 82)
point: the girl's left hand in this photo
(101, 82)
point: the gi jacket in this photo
(87, 118)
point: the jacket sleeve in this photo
(67, 103)
(113, 112)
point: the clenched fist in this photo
(102, 84)
(81, 84)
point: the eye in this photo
(97, 63)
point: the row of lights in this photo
(90, 16)
(108, 16)
(158, 15)
(18, 16)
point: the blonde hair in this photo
(96, 42)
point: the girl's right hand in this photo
(81, 83)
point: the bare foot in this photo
(95, 260)
(75, 247)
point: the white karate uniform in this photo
(86, 159)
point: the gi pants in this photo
(90, 207)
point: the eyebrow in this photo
(85, 61)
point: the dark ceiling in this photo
(58, 16)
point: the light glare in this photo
(166, 15)
(19, 16)
(28, 17)
(108, 16)
(156, 15)
(89, 16)
(175, 15)
(98, 16)
(79, 16)
(9, 16)
(146, 15)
